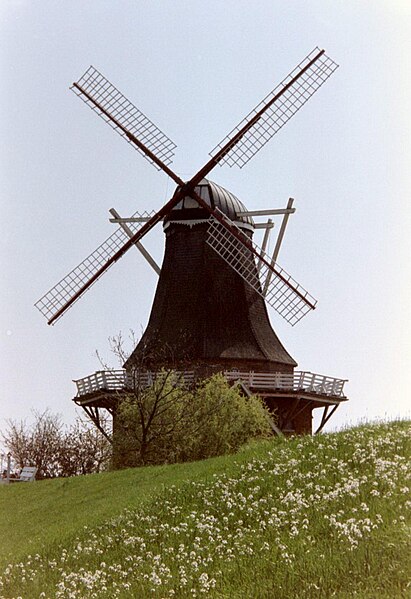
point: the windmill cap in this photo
(188, 212)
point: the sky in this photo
(196, 69)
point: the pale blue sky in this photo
(196, 68)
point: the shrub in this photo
(168, 423)
(56, 450)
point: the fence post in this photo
(8, 467)
(104, 380)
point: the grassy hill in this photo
(318, 517)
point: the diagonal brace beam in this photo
(138, 244)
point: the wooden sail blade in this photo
(125, 118)
(274, 111)
(64, 298)
(284, 294)
(59, 295)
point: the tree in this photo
(37, 445)
(163, 418)
(169, 421)
(84, 450)
(54, 449)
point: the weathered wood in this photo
(325, 418)
(118, 380)
(123, 224)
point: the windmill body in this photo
(205, 316)
(210, 308)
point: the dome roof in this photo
(187, 211)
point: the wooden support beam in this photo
(249, 393)
(265, 242)
(269, 212)
(301, 410)
(138, 244)
(280, 237)
(130, 219)
(290, 412)
(95, 418)
(324, 419)
(325, 411)
(268, 225)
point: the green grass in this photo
(38, 515)
(305, 517)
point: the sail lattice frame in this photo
(281, 111)
(284, 294)
(125, 113)
(68, 286)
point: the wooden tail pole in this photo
(280, 238)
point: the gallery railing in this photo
(120, 380)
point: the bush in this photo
(168, 423)
(56, 450)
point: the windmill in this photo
(215, 282)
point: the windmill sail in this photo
(283, 293)
(69, 286)
(275, 110)
(125, 118)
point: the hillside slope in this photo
(307, 517)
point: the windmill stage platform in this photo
(292, 396)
